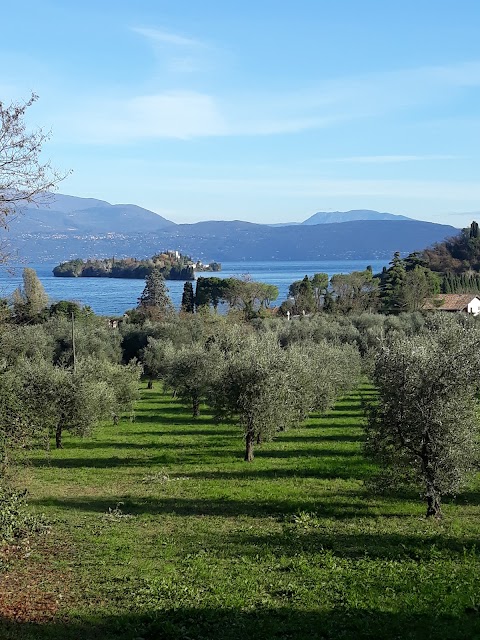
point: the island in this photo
(172, 265)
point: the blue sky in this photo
(263, 111)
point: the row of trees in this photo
(250, 377)
(246, 296)
(452, 266)
(267, 374)
(401, 287)
(53, 379)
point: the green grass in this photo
(161, 530)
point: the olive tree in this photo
(333, 370)
(424, 429)
(40, 399)
(189, 373)
(121, 380)
(268, 388)
(156, 358)
(53, 399)
(251, 388)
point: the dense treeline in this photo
(171, 264)
(404, 286)
(458, 254)
(244, 295)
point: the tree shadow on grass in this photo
(340, 413)
(354, 408)
(217, 507)
(320, 438)
(224, 433)
(156, 446)
(387, 546)
(328, 425)
(175, 455)
(304, 453)
(352, 469)
(465, 498)
(163, 419)
(284, 622)
(215, 440)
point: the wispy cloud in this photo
(389, 159)
(326, 188)
(187, 114)
(178, 53)
(172, 114)
(160, 36)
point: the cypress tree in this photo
(328, 302)
(188, 299)
(392, 285)
(446, 287)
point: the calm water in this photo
(109, 296)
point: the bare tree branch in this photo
(24, 179)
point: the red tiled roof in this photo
(450, 301)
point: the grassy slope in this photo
(207, 546)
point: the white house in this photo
(454, 302)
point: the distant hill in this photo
(329, 217)
(87, 215)
(88, 228)
(352, 240)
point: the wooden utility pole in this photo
(73, 345)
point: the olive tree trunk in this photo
(195, 407)
(249, 439)
(434, 507)
(58, 436)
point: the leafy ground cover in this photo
(161, 530)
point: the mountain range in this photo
(72, 227)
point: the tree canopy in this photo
(424, 429)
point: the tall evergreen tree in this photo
(305, 300)
(188, 298)
(328, 302)
(393, 282)
(155, 299)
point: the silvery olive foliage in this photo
(425, 428)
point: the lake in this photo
(109, 296)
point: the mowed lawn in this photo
(159, 529)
